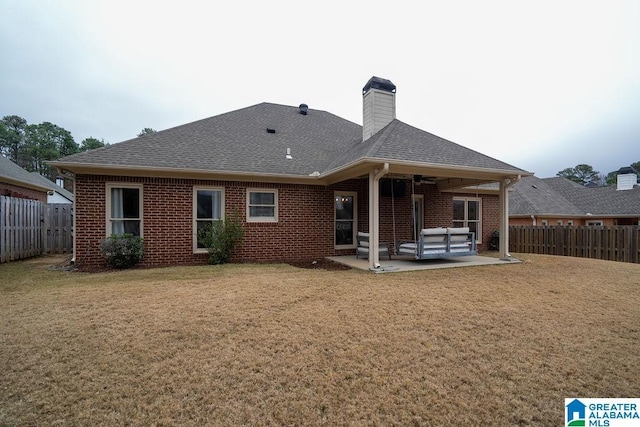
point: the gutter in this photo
(72, 177)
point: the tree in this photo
(146, 131)
(44, 142)
(92, 143)
(582, 174)
(12, 130)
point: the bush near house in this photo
(122, 251)
(221, 238)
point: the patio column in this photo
(374, 215)
(505, 183)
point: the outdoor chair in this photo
(363, 246)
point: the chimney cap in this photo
(304, 108)
(627, 170)
(379, 83)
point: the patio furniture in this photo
(363, 246)
(441, 243)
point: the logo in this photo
(588, 412)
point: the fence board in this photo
(30, 228)
(618, 243)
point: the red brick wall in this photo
(21, 192)
(305, 227)
(490, 216)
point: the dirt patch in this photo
(321, 264)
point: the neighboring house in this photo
(559, 201)
(17, 182)
(303, 181)
(57, 193)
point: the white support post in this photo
(374, 215)
(504, 217)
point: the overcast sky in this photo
(542, 85)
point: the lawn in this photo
(279, 345)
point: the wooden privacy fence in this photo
(30, 228)
(617, 243)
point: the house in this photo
(304, 181)
(57, 193)
(559, 201)
(17, 182)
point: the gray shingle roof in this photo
(238, 141)
(563, 197)
(403, 142)
(533, 196)
(12, 172)
(606, 201)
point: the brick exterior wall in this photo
(22, 193)
(305, 227)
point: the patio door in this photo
(418, 215)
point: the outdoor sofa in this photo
(441, 242)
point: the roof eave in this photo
(363, 165)
(24, 184)
(143, 171)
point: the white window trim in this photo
(274, 218)
(466, 214)
(108, 219)
(595, 223)
(545, 222)
(194, 214)
(355, 218)
(570, 222)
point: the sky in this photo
(541, 85)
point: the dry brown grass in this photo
(278, 345)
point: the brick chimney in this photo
(378, 105)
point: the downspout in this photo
(504, 216)
(72, 177)
(374, 215)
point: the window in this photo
(545, 222)
(124, 209)
(467, 212)
(262, 205)
(345, 219)
(570, 222)
(208, 204)
(596, 223)
(560, 222)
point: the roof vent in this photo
(288, 156)
(304, 109)
(271, 130)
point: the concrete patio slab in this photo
(403, 263)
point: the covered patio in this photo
(405, 263)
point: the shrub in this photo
(221, 238)
(123, 250)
